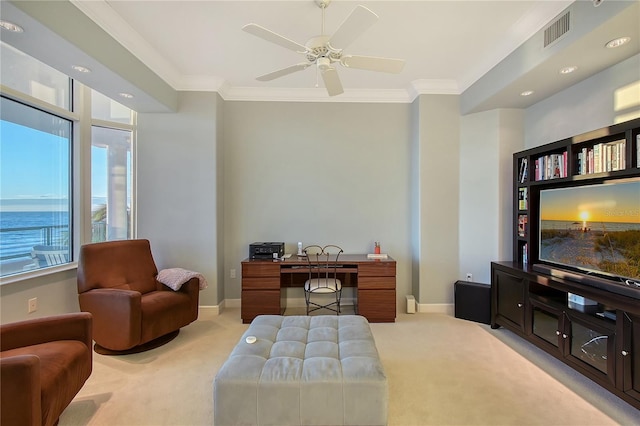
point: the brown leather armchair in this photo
(132, 311)
(44, 362)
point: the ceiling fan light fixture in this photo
(324, 50)
(324, 64)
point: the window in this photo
(38, 123)
(35, 202)
(111, 171)
(110, 184)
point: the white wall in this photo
(57, 293)
(177, 181)
(487, 143)
(438, 174)
(609, 97)
(320, 173)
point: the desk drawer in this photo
(377, 305)
(266, 283)
(260, 269)
(259, 302)
(375, 269)
(377, 283)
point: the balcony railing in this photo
(16, 244)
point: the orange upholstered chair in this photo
(44, 362)
(132, 311)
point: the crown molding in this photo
(319, 94)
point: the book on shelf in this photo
(522, 225)
(524, 170)
(523, 195)
(525, 254)
(638, 151)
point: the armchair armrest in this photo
(190, 288)
(117, 314)
(20, 405)
(74, 326)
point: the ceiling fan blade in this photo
(360, 19)
(373, 63)
(276, 38)
(332, 82)
(285, 71)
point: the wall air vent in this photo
(557, 29)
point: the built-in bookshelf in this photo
(593, 157)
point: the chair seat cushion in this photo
(323, 285)
(64, 367)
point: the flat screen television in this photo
(593, 229)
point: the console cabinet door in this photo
(508, 300)
(590, 346)
(631, 356)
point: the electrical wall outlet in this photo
(232, 273)
(33, 305)
(469, 276)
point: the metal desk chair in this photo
(323, 279)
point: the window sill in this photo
(23, 276)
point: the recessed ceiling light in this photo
(126, 95)
(10, 26)
(568, 70)
(80, 68)
(618, 42)
(526, 93)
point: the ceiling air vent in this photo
(556, 30)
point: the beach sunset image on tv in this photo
(593, 228)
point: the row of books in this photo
(551, 166)
(522, 225)
(602, 157)
(523, 198)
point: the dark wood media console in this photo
(601, 341)
(590, 324)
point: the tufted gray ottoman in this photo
(301, 370)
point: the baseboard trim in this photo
(436, 308)
(298, 302)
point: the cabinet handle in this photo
(557, 332)
(625, 353)
(519, 305)
(564, 336)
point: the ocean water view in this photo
(595, 226)
(20, 231)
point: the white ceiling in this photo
(480, 49)
(200, 44)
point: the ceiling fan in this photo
(325, 51)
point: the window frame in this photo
(82, 122)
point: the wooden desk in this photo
(375, 280)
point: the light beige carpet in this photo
(441, 371)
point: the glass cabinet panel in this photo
(545, 325)
(591, 346)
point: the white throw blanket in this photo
(175, 277)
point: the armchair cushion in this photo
(43, 364)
